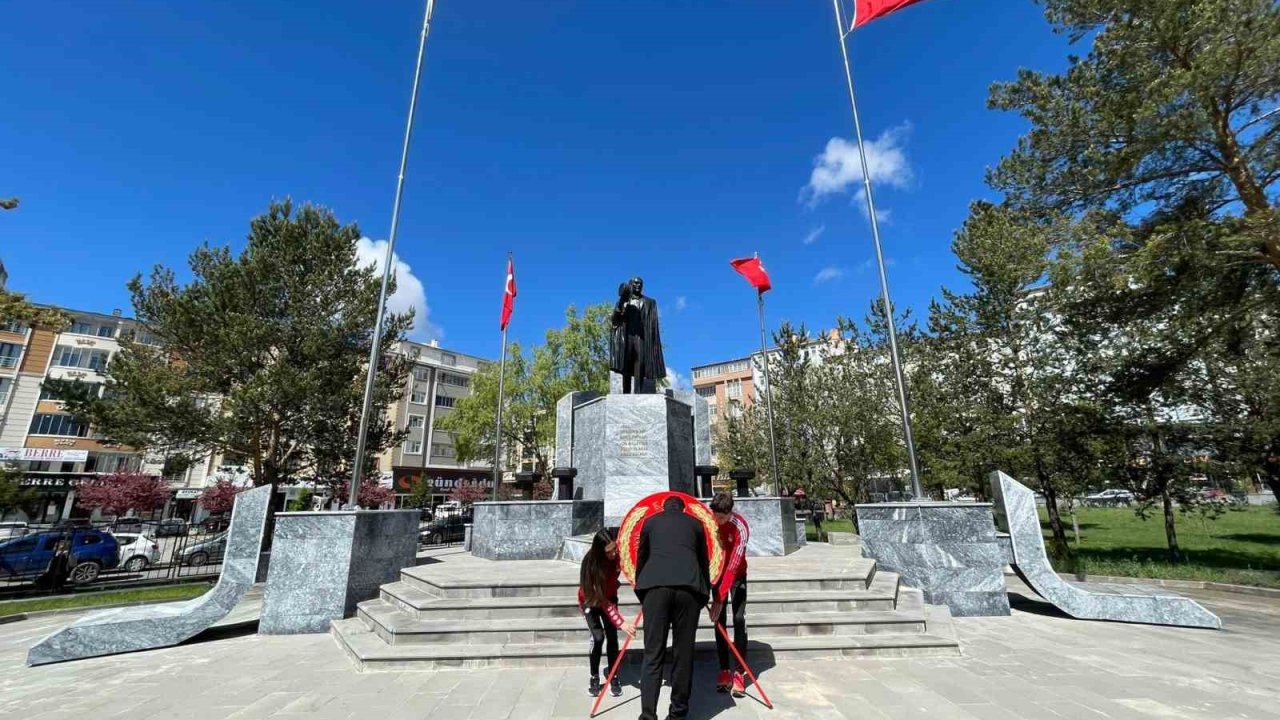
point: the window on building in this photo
(51, 424)
(418, 396)
(13, 326)
(733, 389)
(442, 451)
(735, 409)
(9, 354)
(75, 357)
(111, 462)
(448, 359)
(421, 373)
(83, 328)
(445, 401)
(67, 467)
(413, 447)
(106, 331)
(5, 384)
(47, 393)
(455, 380)
(706, 391)
(39, 466)
(415, 421)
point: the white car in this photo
(1110, 497)
(137, 551)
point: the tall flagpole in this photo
(768, 396)
(916, 489)
(502, 380)
(497, 433)
(357, 471)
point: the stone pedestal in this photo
(949, 550)
(323, 563)
(531, 529)
(773, 525)
(626, 447)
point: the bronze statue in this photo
(637, 345)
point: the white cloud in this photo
(409, 294)
(676, 380)
(839, 167)
(681, 302)
(870, 264)
(814, 234)
(884, 215)
(828, 274)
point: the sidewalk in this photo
(1035, 664)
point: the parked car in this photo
(205, 551)
(12, 529)
(92, 551)
(137, 551)
(128, 525)
(217, 524)
(1109, 498)
(173, 527)
(443, 530)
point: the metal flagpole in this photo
(497, 430)
(357, 471)
(768, 397)
(916, 489)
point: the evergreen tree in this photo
(261, 356)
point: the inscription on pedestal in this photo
(632, 443)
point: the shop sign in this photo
(188, 494)
(406, 479)
(56, 482)
(39, 454)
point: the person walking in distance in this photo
(598, 600)
(731, 590)
(673, 582)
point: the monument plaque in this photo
(631, 442)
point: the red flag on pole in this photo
(508, 294)
(753, 270)
(864, 11)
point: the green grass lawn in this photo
(95, 599)
(1242, 547)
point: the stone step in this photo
(370, 652)
(396, 627)
(882, 595)
(432, 581)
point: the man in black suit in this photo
(673, 582)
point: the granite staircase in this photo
(479, 614)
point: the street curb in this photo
(1270, 593)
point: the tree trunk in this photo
(1170, 531)
(1273, 482)
(1055, 517)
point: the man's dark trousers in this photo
(677, 609)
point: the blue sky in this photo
(595, 140)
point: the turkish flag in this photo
(509, 294)
(864, 11)
(753, 270)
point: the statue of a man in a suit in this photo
(637, 345)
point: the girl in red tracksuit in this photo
(598, 600)
(731, 590)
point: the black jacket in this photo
(646, 317)
(673, 553)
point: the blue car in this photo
(92, 551)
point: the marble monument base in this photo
(948, 550)
(531, 529)
(774, 529)
(627, 447)
(323, 563)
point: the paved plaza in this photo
(1035, 664)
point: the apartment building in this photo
(728, 386)
(439, 379)
(54, 451)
